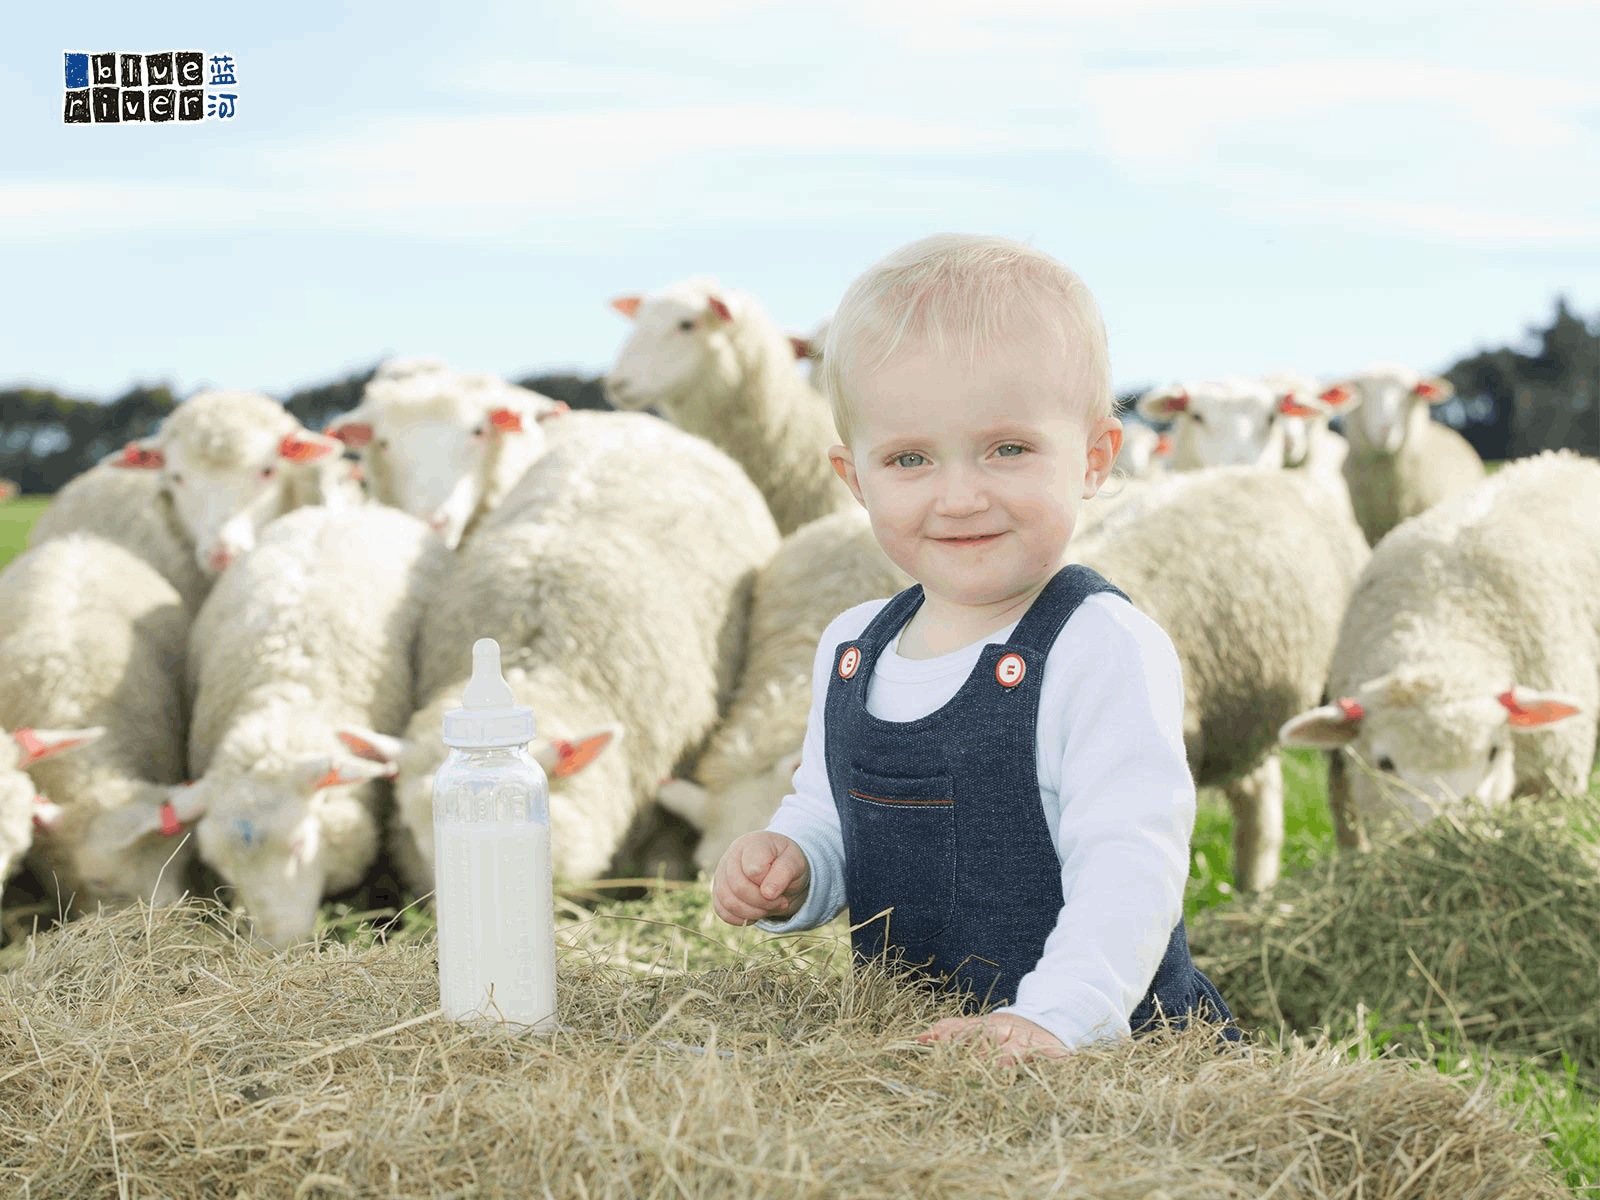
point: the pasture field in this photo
(712, 997)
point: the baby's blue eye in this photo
(1010, 446)
(900, 459)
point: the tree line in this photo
(1509, 403)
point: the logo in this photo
(848, 662)
(1009, 670)
(116, 88)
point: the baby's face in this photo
(973, 476)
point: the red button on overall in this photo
(1009, 670)
(848, 662)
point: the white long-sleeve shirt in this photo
(1113, 781)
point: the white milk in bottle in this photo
(491, 835)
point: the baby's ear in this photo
(1102, 455)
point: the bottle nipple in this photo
(487, 688)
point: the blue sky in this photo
(1245, 186)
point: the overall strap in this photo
(1068, 588)
(890, 618)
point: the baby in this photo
(993, 776)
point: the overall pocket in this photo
(901, 853)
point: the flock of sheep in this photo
(239, 630)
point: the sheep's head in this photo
(1388, 394)
(1224, 423)
(22, 812)
(266, 799)
(1418, 743)
(138, 852)
(227, 459)
(436, 444)
(680, 339)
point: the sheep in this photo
(616, 579)
(309, 633)
(1250, 591)
(711, 360)
(92, 637)
(21, 809)
(1401, 461)
(231, 461)
(1308, 441)
(824, 567)
(1224, 423)
(1145, 451)
(190, 499)
(1468, 660)
(443, 446)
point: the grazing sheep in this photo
(443, 446)
(711, 360)
(1401, 461)
(1233, 422)
(616, 578)
(819, 570)
(92, 636)
(312, 631)
(1247, 569)
(1468, 661)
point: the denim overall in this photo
(942, 819)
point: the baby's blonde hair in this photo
(962, 292)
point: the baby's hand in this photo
(1007, 1038)
(761, 875)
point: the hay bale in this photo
(1484, 924)
(161, 1054)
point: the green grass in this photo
(16, 522)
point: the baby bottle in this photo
(494, 898)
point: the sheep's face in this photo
(126, 855)
(263, 834)
(1233, 423)
(430, 443)
(1417, 746)
(680, 340)
(1391, 396)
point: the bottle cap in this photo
(489, 715)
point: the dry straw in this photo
(1484, 925)
(165, 1055)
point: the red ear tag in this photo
(1351, 710)
(848, 662)
(170, 825)
(506, 420)
(1009, 670)
(355, 434)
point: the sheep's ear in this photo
(560, 757)
(686, 798)
(371, 745)
(303, 446)
(1341, 397)
(47, 814)
(554, 408)
(316, 774)
(354, 428)
(184, 805)
(1163, 403)
(42, 743)
(145, 454)
(1325, 728)
(506, 420)
(1163, 446)
(719, 306)
(1292, 404)
(628, 306)
(1530, 709)
(1435, 389)
(802, 347)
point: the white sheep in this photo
(21, 808)
(1468, 661)
(313, 631)
(190, 499)
(616, 578)
(444, 446)
(1401, 461)
(711, 360)
(819, 570)
(1221, 423)
(1247, 569)
(1308, 441)
(92, 636)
